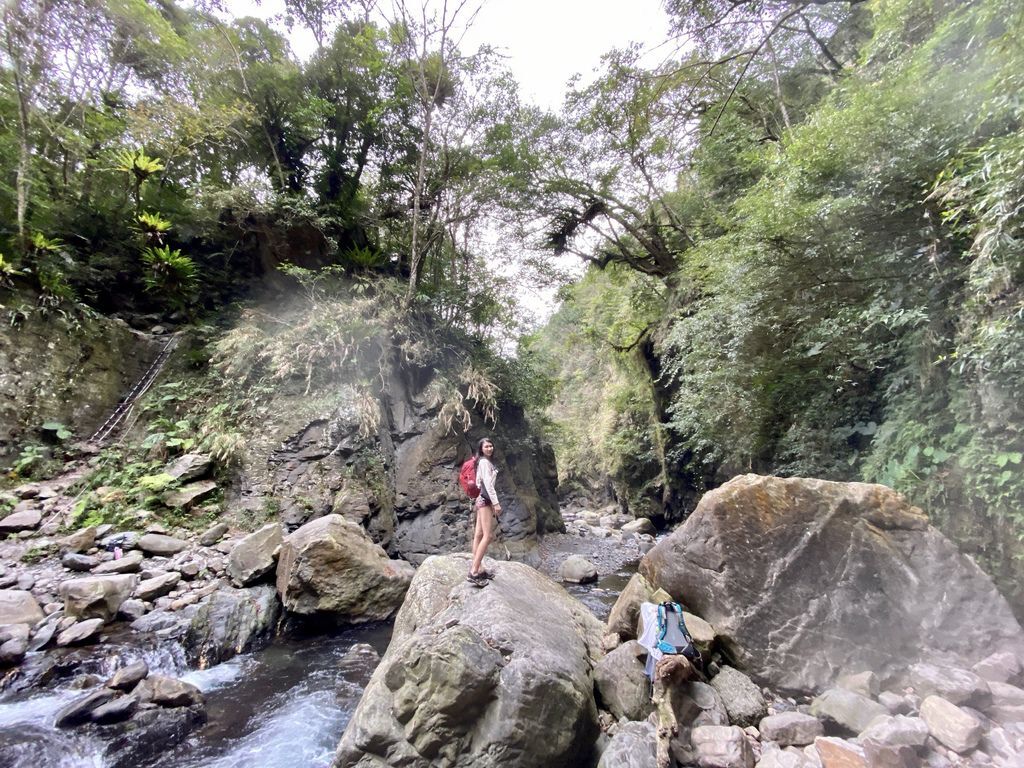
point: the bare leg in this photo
(482, 535)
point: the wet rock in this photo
(158, 586)
(115, 711)
(951, 725)
(168, 692)
(722, 746)
(331, 566)
(632, 746)
(80, 541)
(213, 534)
(626, 611)
(44, 632)
(472, 672)
(230, 622)
(148, 734)
(191, 466)
(13, 649)
(80, 632)
(80, 710)
(161, 545)
(254, 557)
(18, 606)
(96, 597)
(791, 728)
(622, 685)
(187, 495)
(126, 678)
(852, 596)
(743, 700)
(130, 563)
(76, 562)
(25, 520)
(846, 709)
(577, 570)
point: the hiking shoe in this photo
(476, 581)
(485, 575)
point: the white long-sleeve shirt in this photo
(486, 476)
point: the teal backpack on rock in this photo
(673, 638)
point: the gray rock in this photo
(96, 596)
(640, 525)
(45, 631)
(1004, 744)
(126, 678)
(1000, 667)
(79, 632)
(854, 595)
(191, 466)
(632, 746)
(577, 570)
(773, 757)
(228, 623)
(331, 566)
(76, 562)
(80, 541)
(621, 683)
(626, 611)
(115, 711)
(722, 746)
(18, 606)
(80, 710)
(13, 650)
(187, 495)
(897, 730)
(847, 709)
(26, 581)
(710, 709)
(791, 728)
(951, 725)
(1007, 703)
(474, 672)
(131, 610)
(954, 685)
(213, 534)
(126, 540)
(864, 683)
(159, 544)
(25, 520)
(896, 704)
(254, 557)
(880, 755)
(743, 700)
(129, 563)
(168, 692)
(158, 586)
(189, 570)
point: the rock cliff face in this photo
(807, 579)
(313, 456)
(72, 368)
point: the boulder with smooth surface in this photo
(330, 566)
(254, 557)
(18, 606)
(622, 685)
(96, 596)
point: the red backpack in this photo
(467, 478)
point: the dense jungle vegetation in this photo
(801, 220)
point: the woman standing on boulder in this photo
(487, 509)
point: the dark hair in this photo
(480, 446)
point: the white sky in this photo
(546, 41)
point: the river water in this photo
(283, 706)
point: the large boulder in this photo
(96, 597)
(254, 556)
(622, 685)
(331, 566)
(494, 676)
(632, 746)
(229, 622)
(19, 607)
(808, 579)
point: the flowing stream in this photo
(283, 706)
